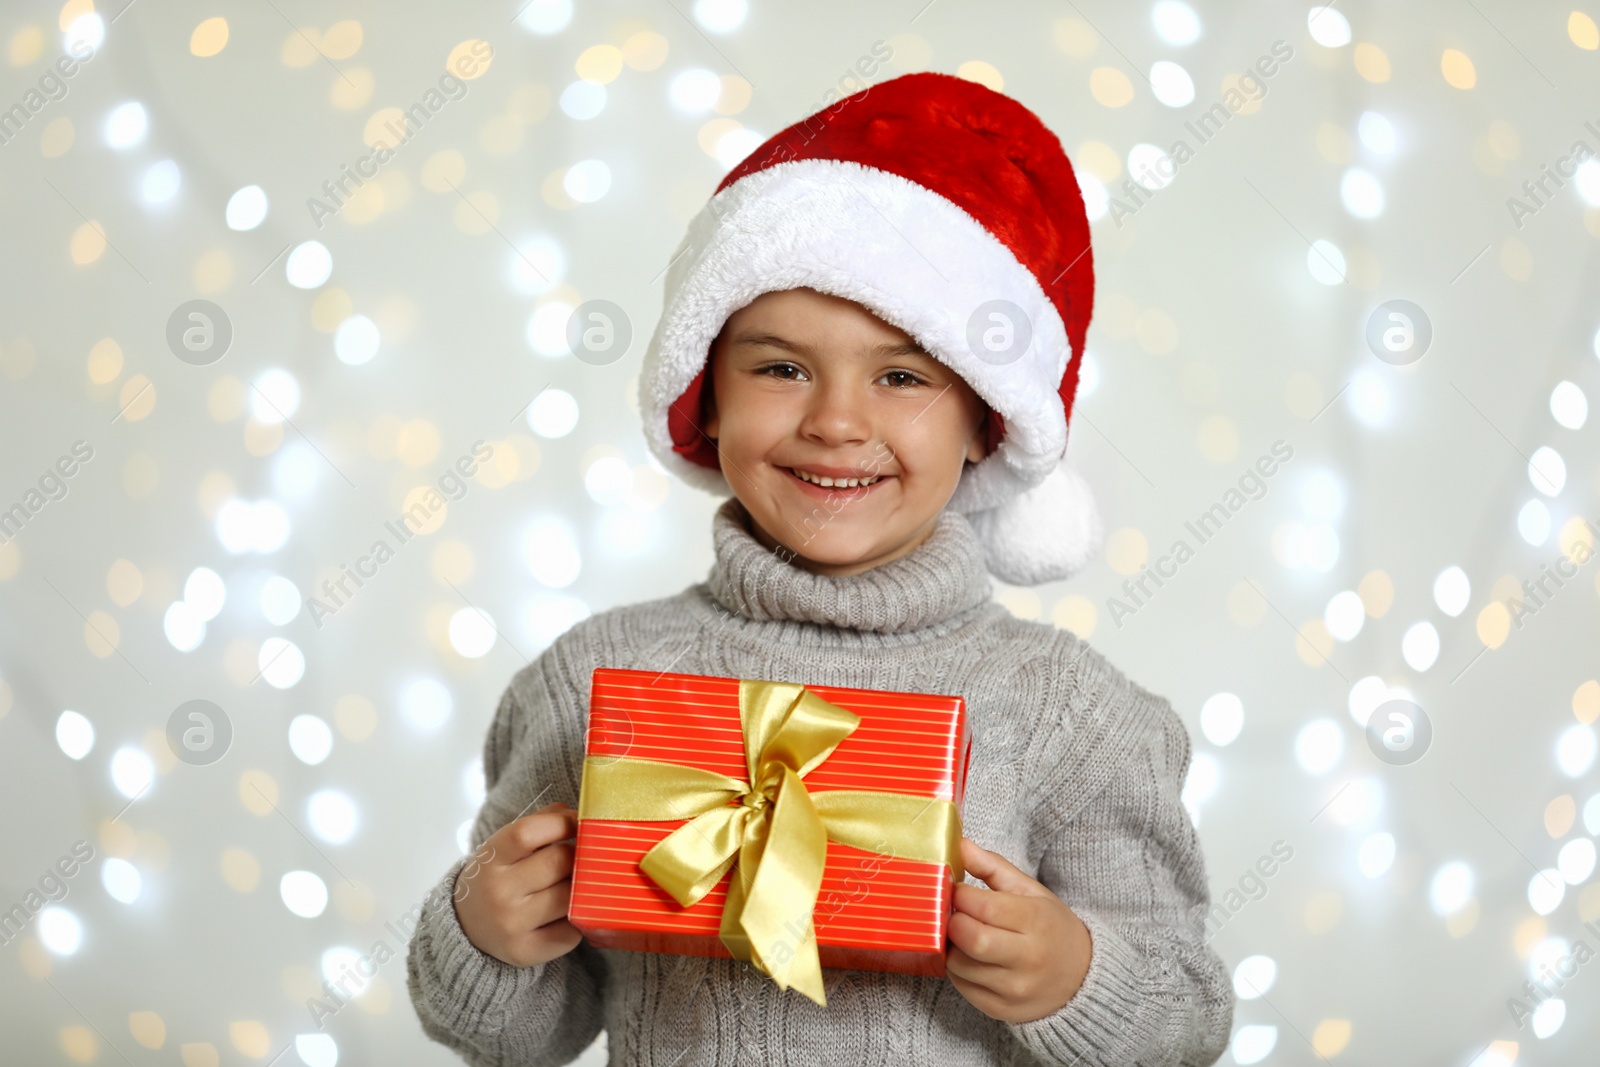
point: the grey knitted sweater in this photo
(1075, 778)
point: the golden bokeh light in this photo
(209, 37)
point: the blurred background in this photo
(1368, 237)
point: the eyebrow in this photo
(882, 349)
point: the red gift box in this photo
(873, 911)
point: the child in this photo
(894, 291)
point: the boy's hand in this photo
(1017, 951)
(512, 899)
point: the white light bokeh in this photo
(310, 739)
(694, 91)
(1533, 522)
(1361, 193)
(1420, 646)
(1176, 22)
(720, 16)
(1450, 888)
(547, 328)
(333, 816)
(280, 600)
(1545, 891)
(160, 183)
(1569, 406)
(1370, 399)
(583, 99)
(1254, 977)
(132, 771)
(1151, 166)
(242, 526)
(1344, 615)
(1326, 262)
(126, 126)
(60, 931)
(536, 264)
(247, 208)
(1328, 27)
(553, 414)
(1376, 855)
(356, 341)
(472, 632)
(183, 627)
(1452, 591)
(1575, 750)
(281, 662)
(1221, 718)
(1575, 861)
(587, 181)
(1548, 1017)
(1253, 1043)
(120, 879)
(426, 704)
(205, 592)
(309, 265)
(1318, 746)
(74, 734)
(551, 550)
(303, 893)
(1376, 133)
(274, 396)
(1171, 83)
(1547, 471)
(316, 1050)
(545, 17)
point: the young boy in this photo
(891, 299)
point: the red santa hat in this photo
(950, 211)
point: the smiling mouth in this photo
(854, 486)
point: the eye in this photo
(776, 370)
(905, 379)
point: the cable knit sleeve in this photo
(492, 1013)
(1118, 846)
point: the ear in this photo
(977, 442)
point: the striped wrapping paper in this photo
(873, 912)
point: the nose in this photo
(837, 413)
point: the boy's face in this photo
(802, 380)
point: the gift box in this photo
(792, 826)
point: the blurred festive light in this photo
(1344, 615)
(1253, 1043)
(553, 413)
(1420, 646)
(1176, 22)
(316, 1050)
(126, 126)
(60, 931)
(1318, 746)
(608, 480)
(274, 396)
(536, 264)
(1322, 495)
(734, 145)
(356, 340)
(720, 16)
(1150, 166)
(1376, 133)
(1452, 590)
(1325, 262)
(1318, 547)
(1221, 718)
(87, 29)
(1591, 815)
(426, 704)
(296, 470)
(1088, 375)
(547, 328)
(1576, 860)
(1254, 976)
(1357, 803)
(473, 783)
(587, 181)
(1575, 751)
(1548, 1017)
(1096, 200)
(545, 17)
(1545, 955)
(694, 91)
(303, 893)
(1200, 783)
(1569, 406)
(583, 99)
(1328, 27)
(310, 739)
(121, 879)
(1370, 400)
(341, 962)
(281, 662)
(472, 632)
(1450, 888)
(247, 208)
(131, 771)
(245, 527)
(1547, 471)
(183, 626)
(1366, 695)
(74, 734)
(309, 265)
(552, 552)
(1376, 855)
(1533, 522)
(1171, 84)
(205, 593)
(332, 815)
(1545, 891)
(280, 600)
(160, 183)
(1587, 179)
(1361, 193)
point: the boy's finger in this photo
(985, 943)
(520, 838)
(1005, 910)
(998, 872)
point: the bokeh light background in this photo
(429, 315)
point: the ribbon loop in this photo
(773, 833)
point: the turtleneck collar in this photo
(940, 578)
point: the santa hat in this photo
(950, 211)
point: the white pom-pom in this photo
(1044, 535)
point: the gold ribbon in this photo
(774, 834)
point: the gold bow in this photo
(776, 834)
